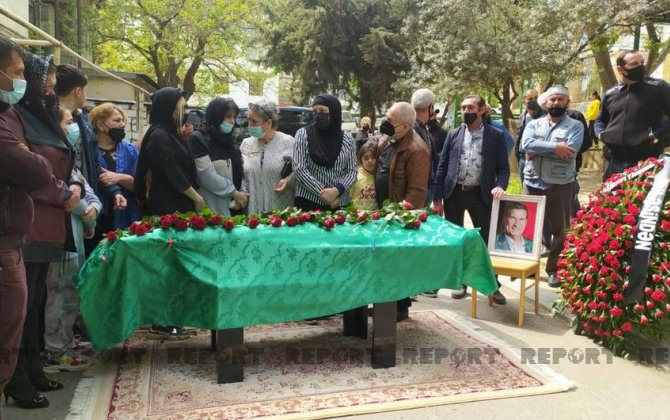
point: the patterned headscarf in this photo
(43, 107)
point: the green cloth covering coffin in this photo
(219, 279)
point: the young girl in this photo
(363, 194)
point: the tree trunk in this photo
(367, 103)
(605, 70)
(506, 101)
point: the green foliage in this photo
(178, 41)
(333, 45)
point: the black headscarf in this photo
(325, 145)
(163, 104)
(43, 107)
(215, 113)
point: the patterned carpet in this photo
(295, 370)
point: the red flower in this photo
(181, 225)
(276, 222)
(376, 215)
(362, 217)
(305, 217)
(228, 224)
(253, 222)
(165, 224)
(659, 314)
(292, 221)
(416, 224)
(626, 327)
(112, 236)
(216, 220)
(638, 308)
(340, 219)
(329, 223)
(133, 226)
(644, 320)
(407, 205)
(198, 222)
(140, 230)
(616, 311)
(629, 219)
(618, 297)
(423, 216)
(658, 296)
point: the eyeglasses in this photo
(260, 107)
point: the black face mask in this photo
(366, 128)
(469, 117)
(387, 128)
(116, 134)
(636, 74)
(557, 111)
(532, 105)
(322, 120)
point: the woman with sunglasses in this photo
(268, 157)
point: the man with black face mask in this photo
(551, 144)
(631, 121)
(532, 111)
(473, 170)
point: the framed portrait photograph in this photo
(516, 226)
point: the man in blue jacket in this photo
(550, 145)
(473, 170)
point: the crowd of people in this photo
(69, 176)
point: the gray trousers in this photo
(62, 304)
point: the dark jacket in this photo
(165, 168)
(409, 170)
(423, 133)
(21, 171)
(495, 166)
(629, 113)
(50, 217)
(587, 141)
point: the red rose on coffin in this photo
(292, 221)
(329, 223)
(112, 236)
(276, 222)
(340, 219)
(253, 222)
(140, 230)
(216, 220)
(181, 225)
(376, 215)
(228, 224)
(423, 216)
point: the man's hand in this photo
(241, 198)
(281, 185)
(529, 155)
(108, 178)
(497, 192)
(120, 202)
(330, 195)
(437, 206)
(72, 202)
(564, 151)
(90, 215)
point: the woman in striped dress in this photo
(324, 159)
(267, 157)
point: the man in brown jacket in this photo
(21, 171)
(403, 167)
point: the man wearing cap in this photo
(193, 121)
(632, 121)
(551, 144)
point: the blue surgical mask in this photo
(73, 133)
(13, 97)
(256, 131)
(226, 127)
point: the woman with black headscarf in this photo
(324, 159)
(165, 181)
(50, 231)
(218, 160)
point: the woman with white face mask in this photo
(268, 161)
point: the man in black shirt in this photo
(631, 121)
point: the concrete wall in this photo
(8, 26)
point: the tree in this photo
(492, 46)
(339, 45)
(173, 40)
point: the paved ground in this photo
(612, 388)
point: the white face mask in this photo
(13, 97)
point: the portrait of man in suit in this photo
(509, 236)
